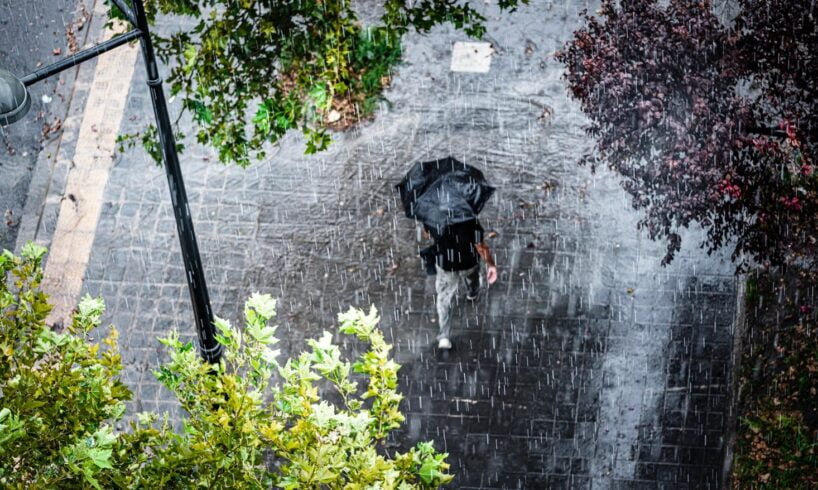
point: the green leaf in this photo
(289, 483)
(261, 119)
(263, 304)
(32, 251)
(104, 437)
(270, 355)
(117, 411)
(429, 471)
(91, 309)
(89, 477)
(323, 414)
(48, 339)
(200, 111)
(225, 328)
(11, 428)
(100, 457)
(320, 96)
(325, 474)
(189, 55)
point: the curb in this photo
(740, 324)
(47, 187)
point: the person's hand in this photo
(491, 274)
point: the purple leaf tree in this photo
(707, 121)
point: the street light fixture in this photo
(15, 101)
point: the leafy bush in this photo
(250, 71)
(59, 392)
(250, 421)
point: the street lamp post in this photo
(15, 101)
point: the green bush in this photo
(251, 422)
(59, 392)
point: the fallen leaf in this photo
(546, 114)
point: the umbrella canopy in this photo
(444, 192)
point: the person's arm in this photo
(485, 253)
(422, 233)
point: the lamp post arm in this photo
(79, 57)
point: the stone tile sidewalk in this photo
(29, 37)
(586, 366)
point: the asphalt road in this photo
(32, 33)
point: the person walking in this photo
(446, 196)
(457, 251)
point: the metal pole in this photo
(79, 57)
(210, 348)
(126, 11)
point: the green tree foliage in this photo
(59, 392)
(251, 422)
(248, 71)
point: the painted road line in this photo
(85, 186)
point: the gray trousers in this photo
(446, 283)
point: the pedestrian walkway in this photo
(586, 366)
(29, 37)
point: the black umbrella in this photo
(444, 192)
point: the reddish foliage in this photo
(706, 121)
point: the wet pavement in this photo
(587, 365)
(30, 32)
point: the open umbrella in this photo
(443, 192)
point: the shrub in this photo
(250, 421)
(59, 392)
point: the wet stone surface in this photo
(587, 365)
(30, 31)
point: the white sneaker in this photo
(444, 344)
